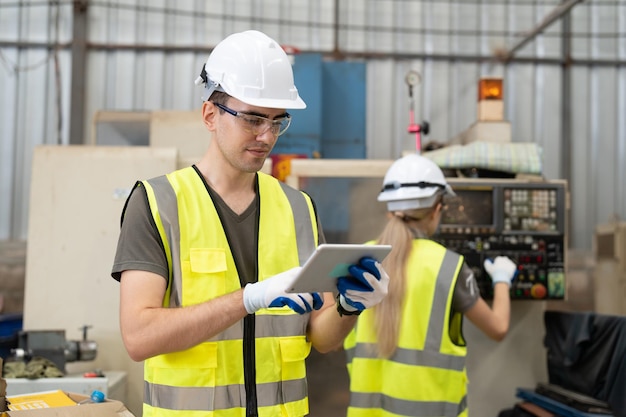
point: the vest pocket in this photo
(170, 376)
(293, 351)
(204, 275)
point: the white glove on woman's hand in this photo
(271, 293)
(365, 287)
(501, 269)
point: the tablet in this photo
(331, 261)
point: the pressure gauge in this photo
(413, 78)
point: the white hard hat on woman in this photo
(253, 68)
(413, 182)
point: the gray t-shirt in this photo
(140, 248)
(139, 245)
(466, 291)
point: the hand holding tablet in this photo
(365, 287)
(270, 293)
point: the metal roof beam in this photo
(554, 15)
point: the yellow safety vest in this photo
(426, 375)
(208, 379)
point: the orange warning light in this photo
(490, 89)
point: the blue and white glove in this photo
(271, 293)
(365, 287)
(501, 269)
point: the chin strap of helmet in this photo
(209, 85)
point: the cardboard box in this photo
(490, 111)
(36, 400)
(108, 408)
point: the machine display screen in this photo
(469, 208)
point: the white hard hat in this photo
(251, 67)
(413, 182)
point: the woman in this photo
(406, 356)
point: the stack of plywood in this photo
(12, 275)
(77, 196)
(182, 130)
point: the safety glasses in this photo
(258, 125)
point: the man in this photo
(206, 252)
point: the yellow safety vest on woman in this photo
(208, 379)
(426, 375)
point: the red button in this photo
(538, 291)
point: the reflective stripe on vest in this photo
(369, 406)
(209, 378)
(426, 375)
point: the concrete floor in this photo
(328, 384)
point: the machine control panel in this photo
(520, 219)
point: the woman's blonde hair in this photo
(399, 232)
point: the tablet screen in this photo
(331, 261)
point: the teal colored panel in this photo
(332, 126)
(304, 133)
(343, 110)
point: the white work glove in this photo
(365, 287)
(271, 293)
(501, 269)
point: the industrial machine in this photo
(524, 220)
(52, 345)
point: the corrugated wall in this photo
(34, 99)
(145, 55)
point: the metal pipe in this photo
(559, 11)
(35, 45)
(566, 107)
(79, 72)
(336, 51)
(341, 55)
